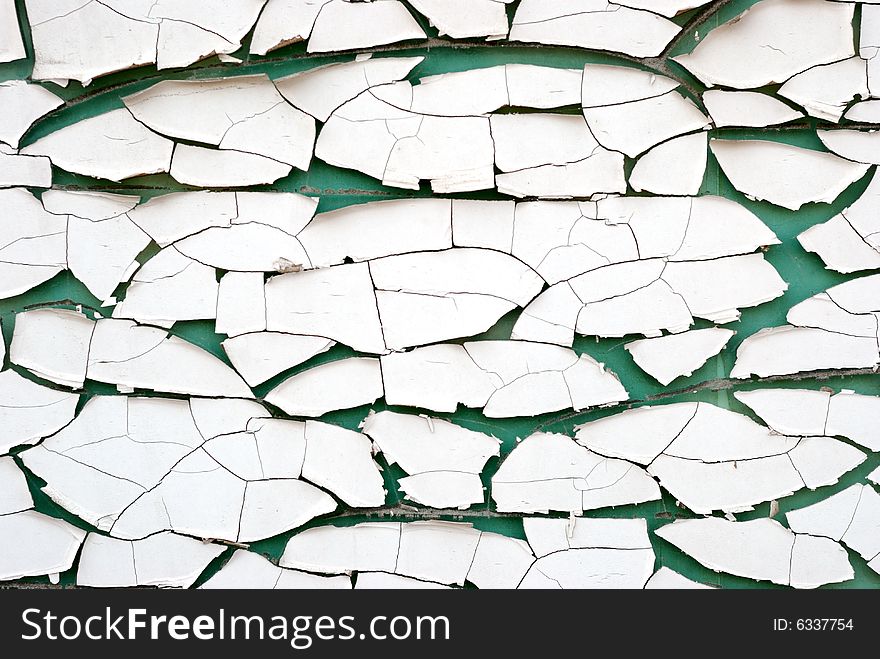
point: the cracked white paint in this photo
(730, 108)
(594, 24)
(856, 145)
(15, 496)
(21, 104)
(165, 560)
(43, 545)
(750, 51)
(466, 18)
(852, 516)
(818, 412)
(505, 378)
(834, 329)
(260, 356)
(11, 43)
(669, 357)
(443, 460)
(229, 473)
(586, 553)
(83, 40)
(826, 91)
(712, 459)
(760, 549)
(850, 241)
(550, 472)
(67, 347)
(246, 569)
(30, 411)
(761, 170)
(666, 579)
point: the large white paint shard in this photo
(33, 243)
(848, 245)
(102, 242)
(563, 239)
(666, 579)
(648, 296)
(749, 51)
(782, 174)
(67, 347)
(11, 44)
(83, 40)
(336, 385)
(864, 111)
(852, 516)
(760, 549)
(319, 91)
(466, 18)
(549, 472)
(228, 474)
(668, 8)
(426, 297)
(222, 168)
(505, 378)
(29, 411)
(242, 113)
(594, 24)
(363, 232)
(21, 104)
(400, 147)
(481, 91)
(113, 146)
(246, 569)
(729, 108)
(818, 413)
(834, 329)
(856, 145)
(283, 22)
(826, 91)
(241, 305)
(712, 459)
(435, 552)
(170, 287)
(341, 461)
(343, 25)
(337, 303)
(165, 560)
(443, 460)
(588, 553)
(552, 155)
(14, 493)
(675, 167)
(669, 357)
(19, 170)
(636, 126)
(43, 545)
(260, 356)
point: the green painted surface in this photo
(336, 187)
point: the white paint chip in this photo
(834, 329)
(443, 460)
(247, 570)
(165, 560)
(762, 170)
(21, 104)
(550, 472)
(112, 146)
(669, 357)
(746, 108)
(593, 24)
(505, 378)
(749, 51)
(712, 459)
(336, 385)
(342, 25)
(760, 549)
(14, 493)
(43, 545)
